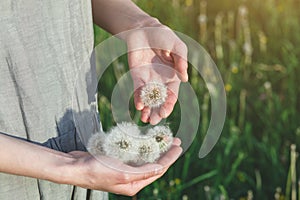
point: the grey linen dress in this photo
(47, 93)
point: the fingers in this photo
(143, 172)
(176, 141)
(128, 180)
(181, 66)
(139, 105)
(131, 183)
(167, 108)
(145, 114)
(155, 115)
(155, 118)
(178, 61)
(137, 182)
(179, 54)
(131, 174)
(134, 187)
(170, 157)
(126, 173)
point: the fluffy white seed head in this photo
(128, 128)
(119, 142)
(95, 144)
(147, 149)
(162, 137)
(127, 143)
(154, 94)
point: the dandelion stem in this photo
(242, 113)
(203, 21)
(218, 36)
(293, 172)
(299, 190)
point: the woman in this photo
(43, 46)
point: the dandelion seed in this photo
(249, 195)
(127, 143)
(172, 183)
(119, 142)
(248, 48)
(243, 11)
(267, 85)
(148, 152)
(162, 136)
(145, 149)
(277, 194)
(185, 197)
(278, 189)
(206, 188)
(123, 144)
(95, 144)
(222, 197)
(155, 192)
(154, 94)
(202, 18)
(127, 128)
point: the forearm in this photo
(26, 159)
(116, 16)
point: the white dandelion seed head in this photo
(95, 144)
(154, 94)
(248, 48)
(161, 136)
(119, 145)
(148, 151)
(202, 18)
(243, 11)
(267, 85)
(127, 128)
(127, 143)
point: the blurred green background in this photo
(256, 46)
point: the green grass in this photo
(252, 157)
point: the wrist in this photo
(62, 171)
(75, 170)
(145, 21)
(141, 22)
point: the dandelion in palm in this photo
(126, 142)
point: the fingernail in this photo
(139, 106)
(185, 78)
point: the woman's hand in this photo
(156, 54)
(79, 168)
(149, 44)
(107, 174)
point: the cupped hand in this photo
(108, 174)
(156, 54)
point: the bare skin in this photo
(169, 51)
(80, 168)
